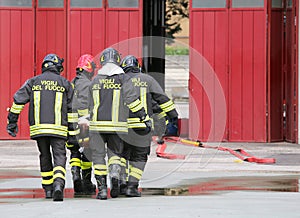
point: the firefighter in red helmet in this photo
(80, 159)
(52, 121)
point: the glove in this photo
(172, 127)
(12, 126)
(72, 140)
(148, 123)
(12, 129)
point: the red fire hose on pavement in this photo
(239, 153)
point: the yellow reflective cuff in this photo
(47, 182)
(72, 117)
(100, 173)
(74, 132)
(84, 140)
(114, 160)
(59, 175)
(59, 168)
(74, 159)
(161, 115)
(135, 172)
(45, 174)
(86, 165)
(69, 146)
(135, 106)
(83, 112)
(100, 167)
(75, 164)
(16, 108)
(123, 161)
(168, 106)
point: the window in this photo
(51, 3)
(209, 4)
(86, 3)
(16, 3)
(247, 3)
(123, 3)
(277, 4)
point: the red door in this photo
(69, 28)
(248, 75)
(275, 72)
(231, 36)
(208, 70)
(290, 71)
(86, 35)
(50, 30)
(123, 26)
(17, 57)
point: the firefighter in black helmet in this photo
(137, 142)
(51, 121)
(111, 95)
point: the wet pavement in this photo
(206, 183)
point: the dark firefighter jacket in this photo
(111, 94)
(150, 91)
(50, 105)
(81, 85)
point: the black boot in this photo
(88, 187)
(102, 187)
(114, 171)
(123, 183)
(48, 191)
(77, 183)
(132, 190)
(58, 192)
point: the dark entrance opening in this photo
(154, 43)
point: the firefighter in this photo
(137, 142)
(51, 121)
(111, 95)
(80, 159)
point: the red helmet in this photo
(86, 63)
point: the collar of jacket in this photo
(51, 70)
(110, 69)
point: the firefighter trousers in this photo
(52, 160)
(98, 143)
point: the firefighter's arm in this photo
(21, 97)
(73, 128)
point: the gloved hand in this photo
(12, 126)
(172, 127)
(72, 140)
(12, 129)
(148, 123)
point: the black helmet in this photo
(110, 55)
(130, 63)
(52, 61)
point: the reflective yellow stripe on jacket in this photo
(48, 129)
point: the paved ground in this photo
(207, 183)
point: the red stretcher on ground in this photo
(239, 153)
